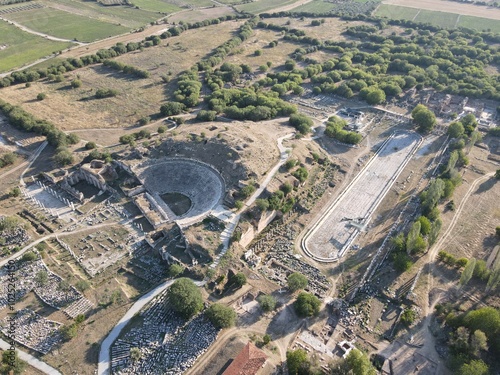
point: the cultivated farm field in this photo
(263, 5)
(66, 25)
(18, 47)
(447, 18)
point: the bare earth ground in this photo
(260, 40)
(450, 7)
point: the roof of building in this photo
(248, 362)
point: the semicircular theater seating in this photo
(200, 182)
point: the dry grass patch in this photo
(260, 41)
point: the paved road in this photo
(104, 354)
(32, 361)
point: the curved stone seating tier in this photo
(200, 182)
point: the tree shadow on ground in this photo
(486, 185)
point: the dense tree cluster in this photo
(335, 128)
(247, 104)
(473, 333)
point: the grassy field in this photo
(447, 20)
(316, 6)
(443, 19)
(124, 15)
(156, 6)
(22, 48)
(479, 23)
(66, 25)
(396, 12)
(263, 5)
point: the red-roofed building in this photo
(248, 362)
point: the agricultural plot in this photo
(126, 16)
(438, 18)
(332, 235)
(447, 20)
(156, 6)
(396, 12)
(65, 25)
(263, 5)
(18, 47)
(481, 24)
(315, 6)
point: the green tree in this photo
(424, 118)
(307, 304)
(266, 302)
(478, 342)
(474, 367)
(11, 363)
(90, 145)
(467, 272)
(286, 188)
(359, 363)
(41, 96)
(162, 129)
(82, 285)
(497, 174)
(298, 362)
(262, 204)
(221, 316)
(425, 225)
(408, 317)
(76, 83)
(135, 354)
(238, 280)
(29, 256)
(175, 270)
(64, 157)
(301, 174)
(402, 262)
(185, 297)
(296, 281)
(42, 277)
(456, 130)
(15, 192)
(171, 109)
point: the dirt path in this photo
(46, 36)
(449, 7)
